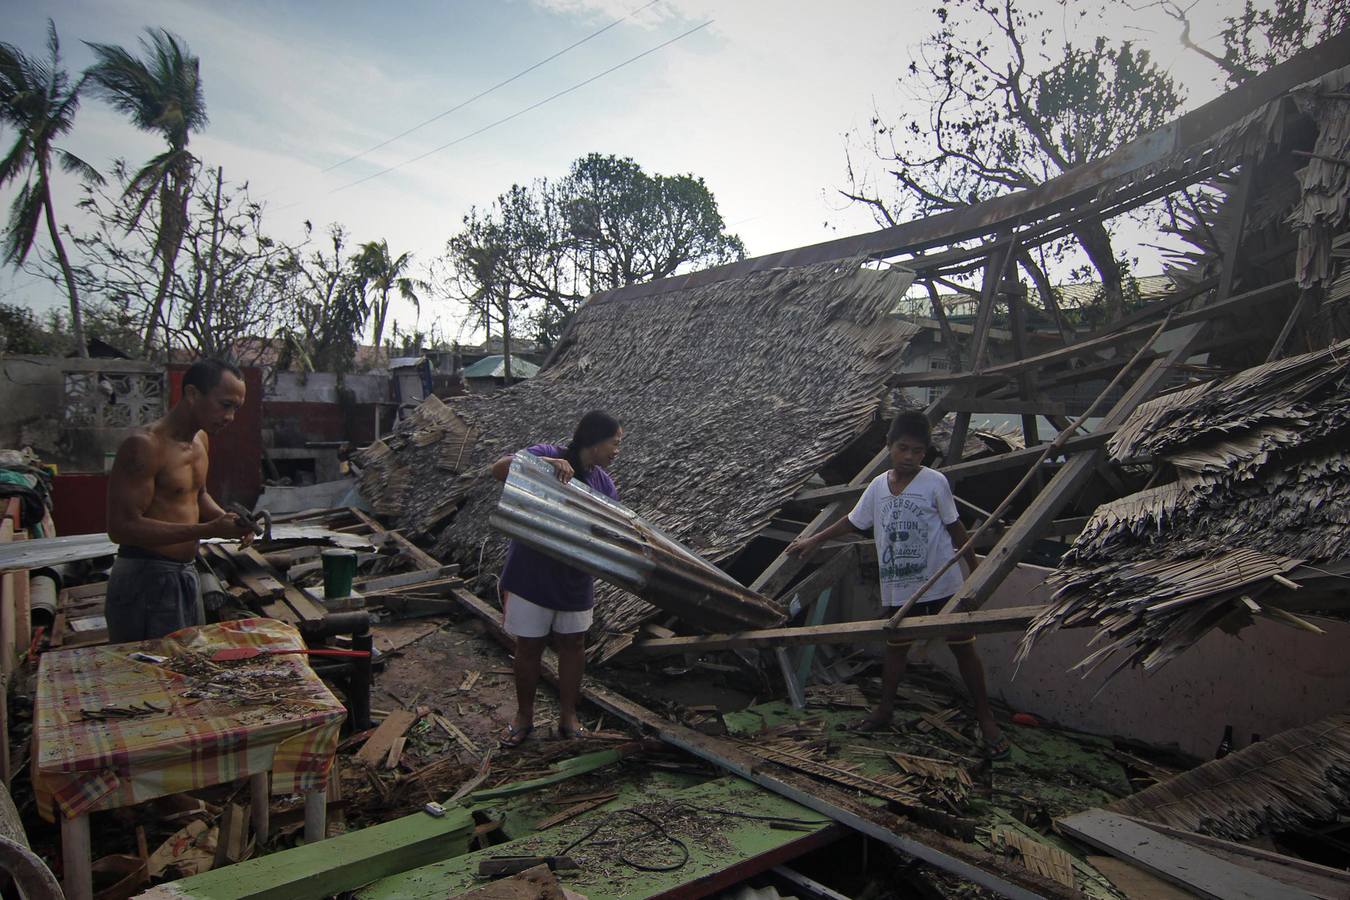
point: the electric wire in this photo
(521, 112)
(483, 93)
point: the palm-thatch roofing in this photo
(1290, 779)
(732, 394)
(1263, 485)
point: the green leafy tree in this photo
(162, 94)
(547, 246)
(328, 305)
(1011, 103)
(380, 273)
(231, 284)
(38, 101)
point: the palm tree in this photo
(162, 94)
(38, 101)
(379, 273)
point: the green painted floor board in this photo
(602, 875)
(338, 864)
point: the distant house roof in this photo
(495, 367)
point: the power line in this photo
(481, 94)
(521, 112)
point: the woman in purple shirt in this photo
(542, 597)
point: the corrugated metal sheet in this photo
(574, 524)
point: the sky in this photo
(757, 101)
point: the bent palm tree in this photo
(379, 273)
(37, 100)
(163, 94)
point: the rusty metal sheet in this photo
(578, 526)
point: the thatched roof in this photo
(1263, 484)
(731, 393)
(1290, 779)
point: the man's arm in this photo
(131, 489)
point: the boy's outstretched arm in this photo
(805, 546)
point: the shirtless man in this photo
(158, 508)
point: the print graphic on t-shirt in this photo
(905, 554)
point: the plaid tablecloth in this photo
(271, 713)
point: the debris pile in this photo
(1262, 493)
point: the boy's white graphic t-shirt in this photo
(911, 535)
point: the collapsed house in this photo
(732, 395)
(1201, 485)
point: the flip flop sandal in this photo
(514, 736)
(571, 734)
(999, 749)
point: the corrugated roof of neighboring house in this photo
(495, 367)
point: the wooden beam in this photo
(1000, 373)
(849, 493)
(984, 621)
(1010, 407)
(1201, 873)
(335, 866)
(1070, 478)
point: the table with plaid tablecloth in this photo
(222, 722)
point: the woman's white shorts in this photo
(530, 620)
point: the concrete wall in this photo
(1264, 680)
(31, 396)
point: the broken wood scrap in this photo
(395, 752)
(453, 730)
(470, 679)
(1038, 857)
(927, 767)
(893, 788)
(573, 811)
(391, 729)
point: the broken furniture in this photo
(120, 724)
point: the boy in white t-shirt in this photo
(912, 516)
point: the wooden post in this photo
(316, 815)
(76, 862)
(260, 801)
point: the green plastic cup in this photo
(339, 568)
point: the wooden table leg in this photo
(260, 792)
(316, 815)
(76, 858)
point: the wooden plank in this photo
(374, 585)
(1010, 407)
(341, 863)
(1134, 882)
(1000, 373)
(1320, 881)
(419, 556)
(1181, 864)
(848, 493)
(391, 729)
(984, 621)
